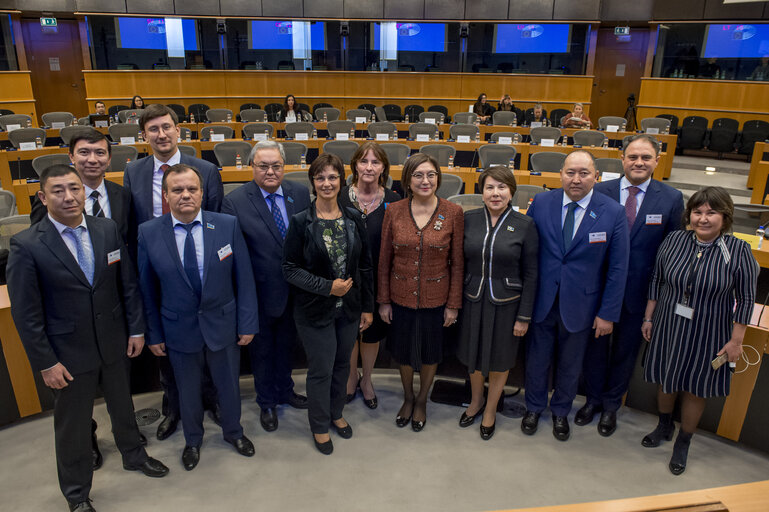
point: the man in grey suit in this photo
(76, 304)
(143, 178)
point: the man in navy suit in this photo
(583, 260)
(200, 303)
(143, 178)
(653, 210)
(264, 206)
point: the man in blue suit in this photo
(583, 258)
(263, 207)
(143, 178)
(653, 210)
(200, 303)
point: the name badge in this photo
(547, 143)
(655, 219)
(217, 137)
(27, 146)
(360, 120)
(684, 311)
(113, 256)
(382, 136)
(58, 125)
(505, 140)
(598, 237)
(302, 136)
(463, 138)
(127, 140)
(423, 137)
(430, 120)
(224, 252)
(342, 136)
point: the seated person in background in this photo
(137, 102)
(483, 109)
(100, 108)
(506, 104)
(762, 71)
(576, 118)
(538, 115)
(290, 112)
(710, 69)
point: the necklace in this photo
(360, 204)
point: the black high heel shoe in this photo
(351, 397)
(465, 420)
(402, 421)
(487, 432)
(416, 425)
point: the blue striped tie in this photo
(277, 215)
(83, 259)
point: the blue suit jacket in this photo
(263, 239)
(589, 279)
(645, 238)
(227, 306)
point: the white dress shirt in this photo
(624, 184)
(579, 212)
(103, 199)
(157, 182)
(180, 234)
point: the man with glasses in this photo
(143, 178)
(264, 207)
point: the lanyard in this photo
(694, 266)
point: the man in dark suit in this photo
(263, 207)
(653, 210)
(583, 259)
(143, 179)
(77, 307)
(200, 303)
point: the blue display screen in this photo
(417, 37)
(150, 33)
(735, 41)
(531, 38)
(278, 35)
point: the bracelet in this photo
(647, 321)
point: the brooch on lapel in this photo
(289, 199)
(438, 225)
(209, 225)
(510, 228)
(593, 215)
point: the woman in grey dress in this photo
(500, 249)
(701, 299)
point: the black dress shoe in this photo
(465, 420)
(190, 457)
(269, 419)
(98, 460)
(324, 448)
(561, 428)
(487, 432)
(663, 432)
(243, 446)
(608, 423)
(371, 404)
(402, 421)
(142, 439)
(150, 467)
(530, 422)
(297, 401)
(83, 506)
(344, 432)
(417, 426)
(585, 415)
(167, 427)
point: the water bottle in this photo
(515, 120)
(760, 234)
(564, 140)
(352, 133)
(478, 136)
(315, 132)
(395, 134)
(139, 138)
(516, 138)
(325, 117)
(606, 143)
(511, 165)
(188, 135)
(229, 117)
(29, 123)
(238, 162)
(407, 118)
(373, 117)
(39, 142)
(451, 161)
(192, 117)
(266, 134)
(303, 161)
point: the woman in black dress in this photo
(500, 248)
(290, 113)
(367, 192)
(483, 109)
(137, 102)
(701, 299)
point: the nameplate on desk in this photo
(612, 128)
(217, 137)
(536, 124)
(343, 136)
(463, 138)
(505, 140)
(360, 120)
(101, 124)
(606, 176)
(27, 146)
(302, 136)
(652, 131)
(260, 136)
(58, 125)
(127, 140)
(11, 127)
(423, 137)
(430, 120)
(382, 136)
(547, 143)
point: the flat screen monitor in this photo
(150, 33)
(416, 37)
(736, 41)
(278, 35)
(531, 38)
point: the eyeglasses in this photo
(264, 167)
(430, 176)
(331, 178)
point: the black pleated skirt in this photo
(416, 336)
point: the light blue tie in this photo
(84, 259)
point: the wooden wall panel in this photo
(16, 93)
(710, 115)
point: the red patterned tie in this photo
(631, 204)
(163, 202)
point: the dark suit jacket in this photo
(646, 237)
(119, 203)
(589, 279)
(59, 316)
(227, 306)
(265, 244)
(307, 267)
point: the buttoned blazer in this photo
(119, 203)
(60, 317)
(588, 278)
(646, 235)
(265, 244)
(227, 306)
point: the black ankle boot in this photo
(680, 453)
(664, 431)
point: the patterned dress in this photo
(722, 280)
(335, 239)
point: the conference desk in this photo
(759, 172)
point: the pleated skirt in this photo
(416, 336)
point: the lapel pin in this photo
(441, 217)
(289, 199)
(593, 215)
(510, 228)
(438, 225)
(209, 225)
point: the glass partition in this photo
(7, 45)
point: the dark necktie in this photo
(163, 202)
(568, 225)
(631, 205)
(277, 215)
(96, 206)
(191, 259)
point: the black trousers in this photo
(73, 408)
(270, 354)
(328, 352)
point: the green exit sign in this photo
(48, 22)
